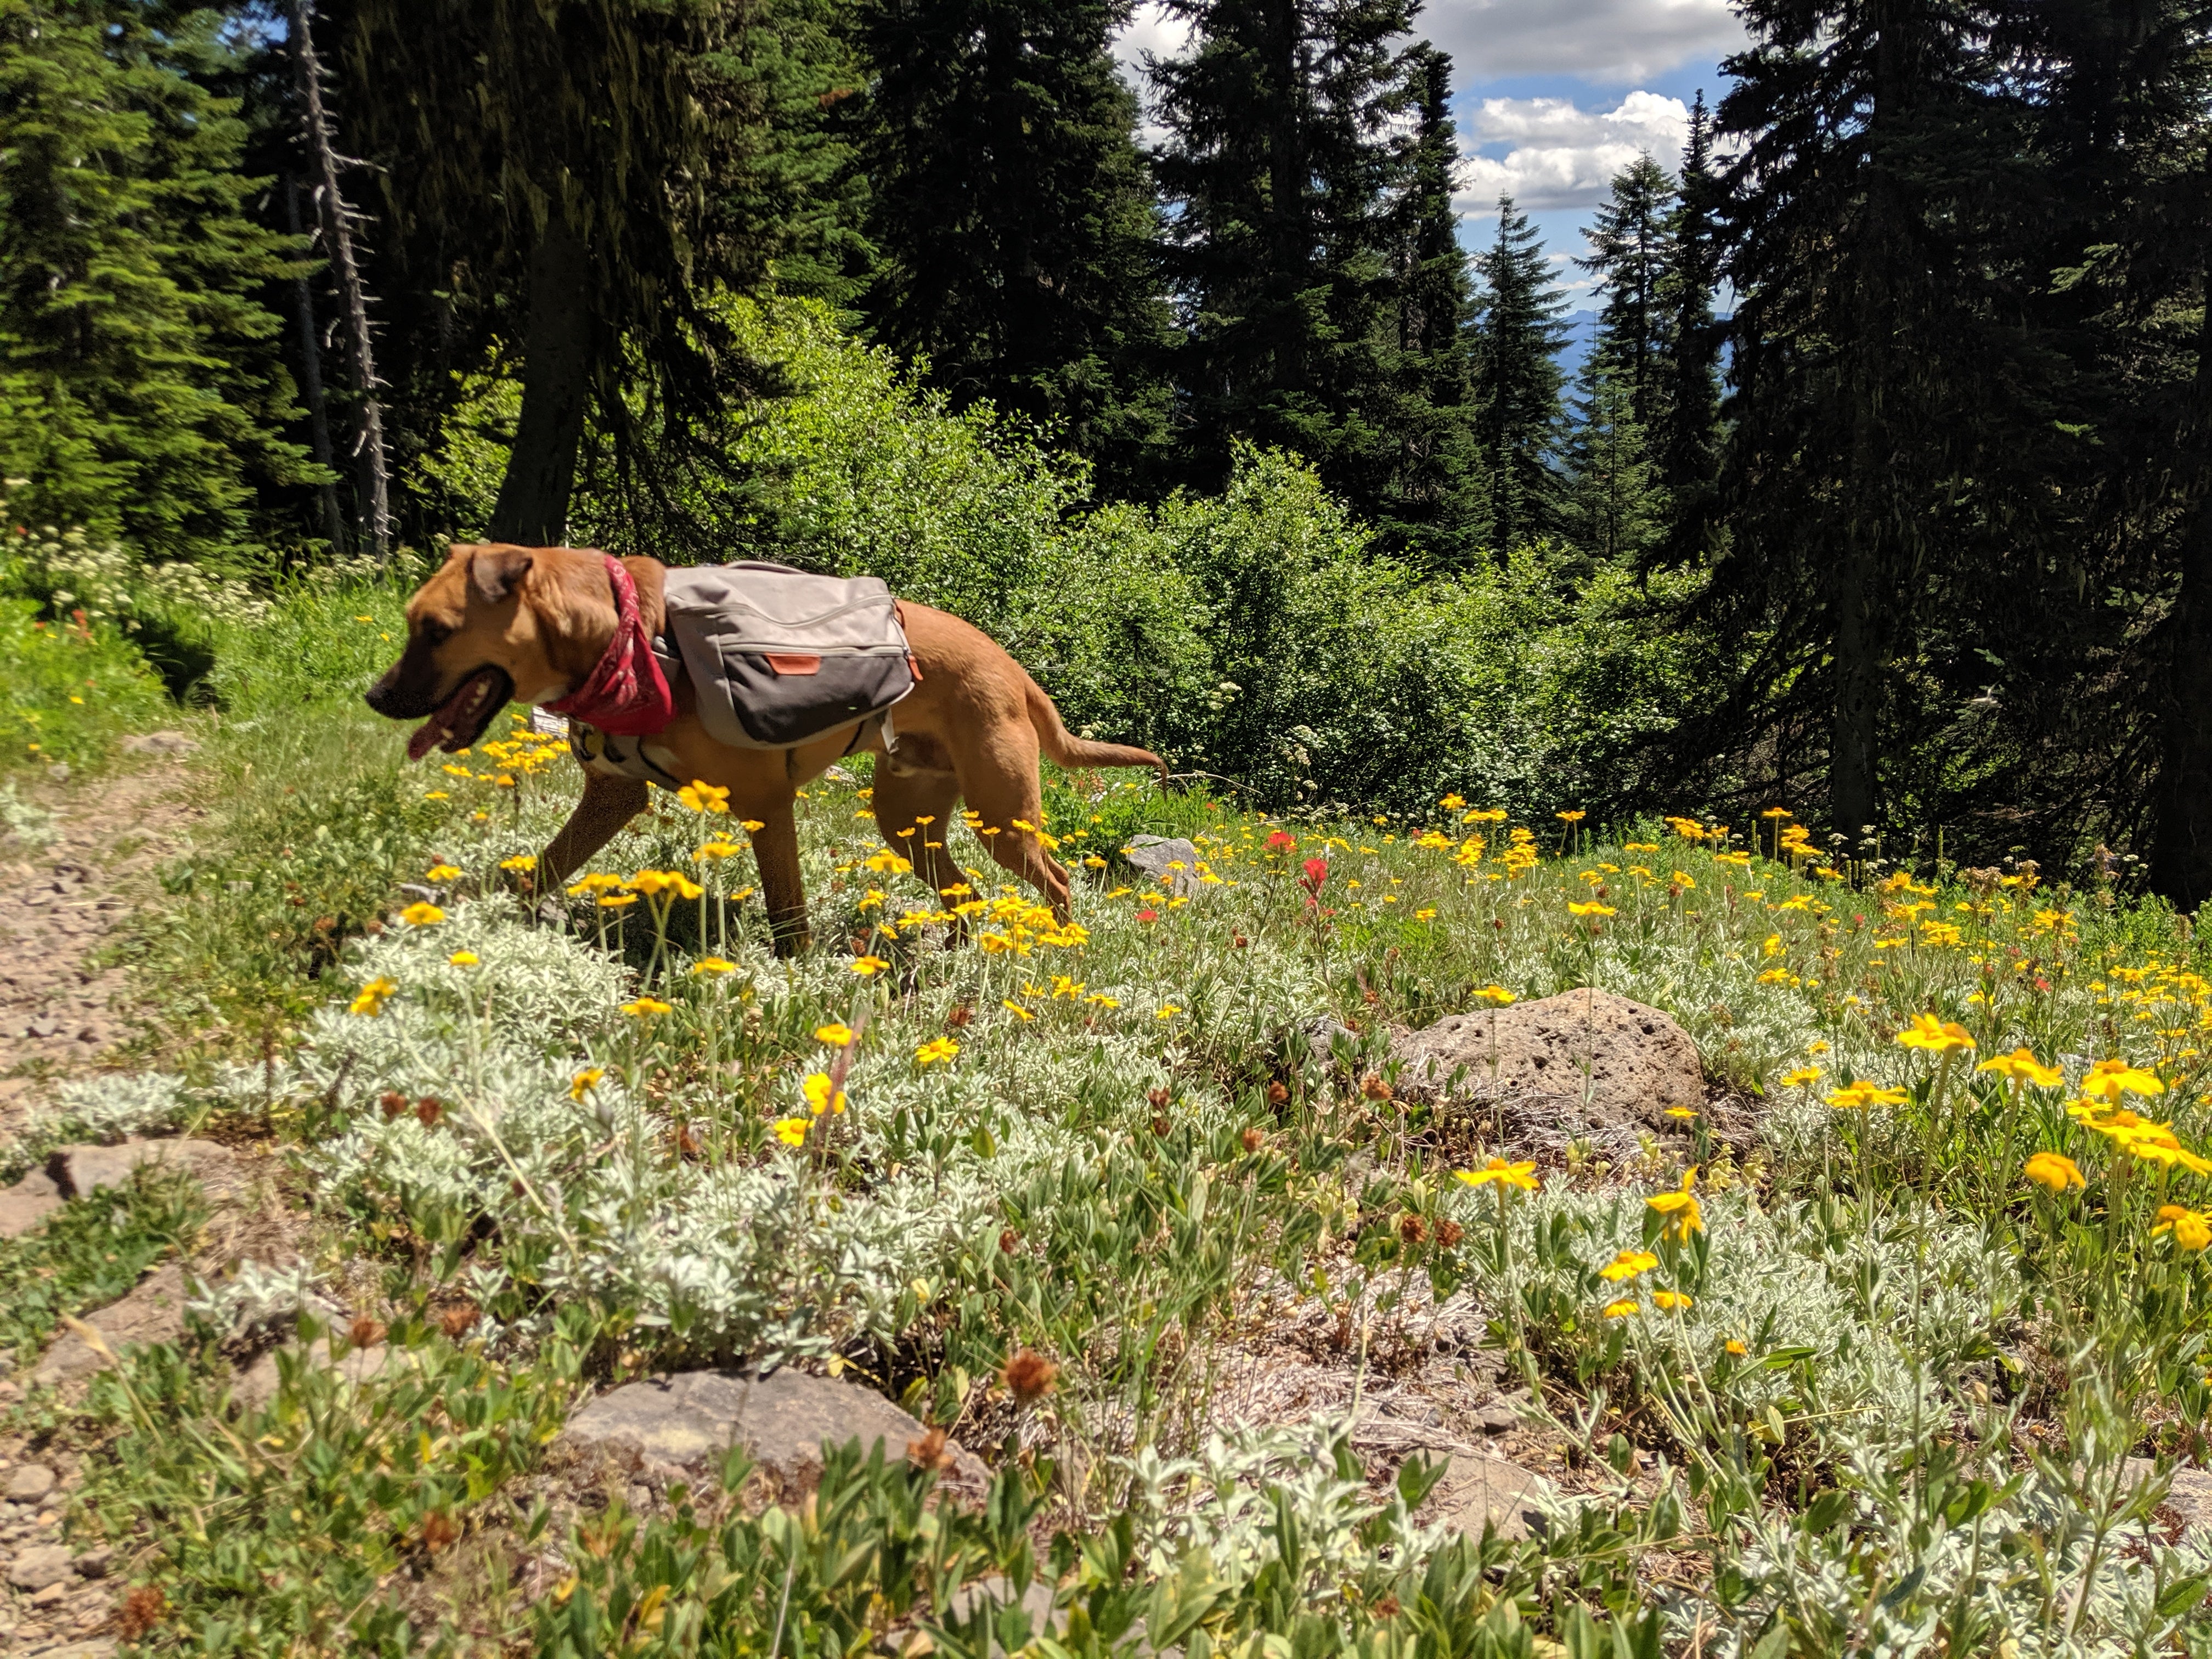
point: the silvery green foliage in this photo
(1892, 1321)
(23, 820)
(1224, 1500)
(106, 1107)
(257, 1296)
(758, 1257)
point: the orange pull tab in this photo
(794, 662)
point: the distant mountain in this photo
(1583, 325)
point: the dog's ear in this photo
(495, 572)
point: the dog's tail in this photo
(1073, 752)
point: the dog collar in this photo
(627, 695)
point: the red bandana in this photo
(626, 695)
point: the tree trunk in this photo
(556, 360)
(310, 380)
(375, 487)
(2181, 857)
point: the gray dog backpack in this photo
(776, 657)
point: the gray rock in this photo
(2190, 1497)
(30, 1483)
(100, 1647)
(687, 1421)
(1036, 1600)
(86, 1169)
(1502, 1414)
(1323, 1035)
(1156, 855)
(1483, 1489)
(160, 743)
(39, 1566)
(95, 1563)
(1564, 1065)
(257, 1385)
(154, 1312)
(27, 1203)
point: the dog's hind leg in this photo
(608, 804)
(775, 854)
(902, 800)
(999, 779)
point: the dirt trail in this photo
(63, 889)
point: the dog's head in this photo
(474, 640)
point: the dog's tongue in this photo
(454, 715)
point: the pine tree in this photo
(1633, 253)
(788, 195)
(1430, 496)
(1518, 337)
(1615, 508)
(1278, 170)
(1016, 217)
(142, 390)
(1686, 435)
(574, 154)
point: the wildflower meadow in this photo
(1895, 1342)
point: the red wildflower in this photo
(1278, 841)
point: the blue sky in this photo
(1554, 95)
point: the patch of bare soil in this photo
(63, 891)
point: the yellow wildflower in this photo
(1680, 1207)
(372, 996)
(2054, 1171)
(1937, 1036)
(1629, 1264)
(422, 913)
(1522, 1176)
(2021, 1067)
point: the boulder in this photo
(154, 1312)
(257, 1385)
(27, 1203)
(684, 1424)
(86, 1169)
(1575, 1064)
(2189, 1496)
(41, 1566)
(160, 743)
(30, 1484)
(1158, 855)
(1479, 1489)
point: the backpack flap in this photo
(779, 656)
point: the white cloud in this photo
(1560, 155)
(1149, 30)
(1604, 41)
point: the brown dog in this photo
(499, 622)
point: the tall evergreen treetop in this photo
(1631, 252)
(1016, 217)
(1687, 432)
(1517, 379)
(1429, 498)
(1278, 165)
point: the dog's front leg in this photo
(775, 853)
(608, 804)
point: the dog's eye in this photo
(435, 634)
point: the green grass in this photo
(69, 695)
(93, 1251)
